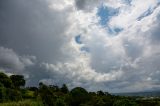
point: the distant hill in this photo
(144, 94)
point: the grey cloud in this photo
(104, 60)
(10, 60)
(31, 27)
(35, 74)
(87, 5)
(133, 49)
(154, 33)
(34, 33)
(13, 63)
(80, 4)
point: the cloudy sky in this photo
(110, 45)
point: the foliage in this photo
(23, 103)
(78, 96)
(5, 80)
(2, 94)
(12, 94)
(17, 80)
(60, 102)
(100, 93)
(47, 96)
(64, 89)
(26, 94)
(124, 102)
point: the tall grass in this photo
(23, 103)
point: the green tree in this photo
(60, 102)
(100, 93)
(78, 96)
(2, 94)
(17, 80)
(13, 94)
(100, 102)
(47, 96)
(124, 102)
(64, 89)
(5, 80)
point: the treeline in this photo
(12, 89)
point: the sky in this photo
(109, 45)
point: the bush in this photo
(124, 102)
(47, 96)
(78, 96)
(13, 94)
(23, 103)
(60, 102)
(5, 80)
(26, 94)
(2, 94)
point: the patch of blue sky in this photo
(78, 39)
(114, 31)
(148, 12)
(117, 30)
(86, 49)
(145, 14)
(106, 13)
(128, 2)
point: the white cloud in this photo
(128, 14)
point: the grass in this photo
(23, 103)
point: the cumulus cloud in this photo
(37, 39)
(33, 27)
(12, 62)
(88, 5)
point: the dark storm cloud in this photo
(80, 4)
(9, 60)
(34, 33)
(154, 33)
(87, 5)
(31, 27)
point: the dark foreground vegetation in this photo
(13, 93)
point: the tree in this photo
(100, 102)
(13, 94)
(2, 94)
(17, 80)
(124, 102)
(47, 96)
(5, 80)
(64, 89)
(100, 93)
(78, 96)
(60, 102)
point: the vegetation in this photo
(13, 93)
(23, 103)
